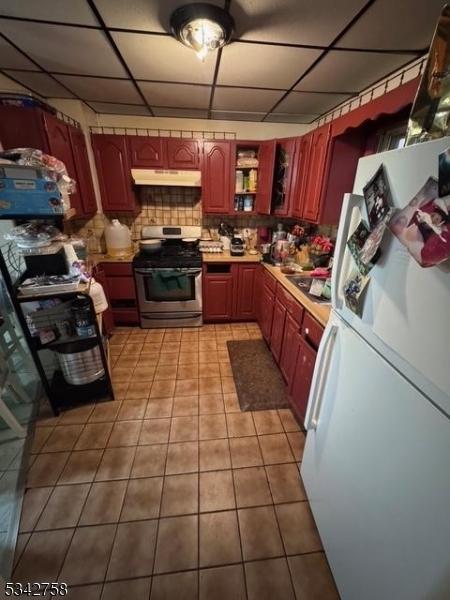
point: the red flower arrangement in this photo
(320, 244)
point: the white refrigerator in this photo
(376, 465)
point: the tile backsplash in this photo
(171, 206)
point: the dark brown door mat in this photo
(259, 383)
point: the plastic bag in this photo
(33, 234)
(55, 168)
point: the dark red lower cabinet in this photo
(290, 348)
(217, 296)
(302, 378)
(266, 312)
(276, 337)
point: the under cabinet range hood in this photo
(163, 177)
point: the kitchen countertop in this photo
(100, 258)
(321, 312)
(225, 257)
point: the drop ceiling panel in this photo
(190, 113)
(350, 71)
(303, 102)
(163, 59)
(395, 25)
(101, 89)
(237, 116)
(263, 66)
(293, 21)
(64, 49)
(289, 118)
(42, 83)
(145, 15)
(246, 100)
(119, 109)
(176, 94)
(65, 11)
(10, 58)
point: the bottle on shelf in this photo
(248, 203)
(252, 180)
(239, 181)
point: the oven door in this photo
(169, 290)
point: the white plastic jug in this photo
(118, 239)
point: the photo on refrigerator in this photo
(378, 198)
(423, 226)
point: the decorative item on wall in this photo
(430, 113)
(423, 226)
(378, 199)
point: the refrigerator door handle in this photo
(320, 374)
(350, 202)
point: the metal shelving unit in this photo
(59, 392)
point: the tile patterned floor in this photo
(170, 491)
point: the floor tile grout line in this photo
(160, 517)
(82, 509)
(206, 568)
(160, 505)
(198, 509)
(268, 464)
(275, 512)
(236, 512)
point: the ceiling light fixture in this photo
(202, 27)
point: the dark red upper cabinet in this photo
(183, 154)
(22, 128)
(83, 170)
(266, 159)
(284, 165)
(316, 173)
(59, 144)
(216, 177)
(300, 175)
(113, 170)
(147, 152)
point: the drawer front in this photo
(268, 280)
(311, 330)
(117, 269)
(127, 316)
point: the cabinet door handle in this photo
(306, 330)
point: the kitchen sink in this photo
(303, 282)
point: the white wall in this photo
(243, 129)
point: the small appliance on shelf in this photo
(237, 246)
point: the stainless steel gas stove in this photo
(169, 280)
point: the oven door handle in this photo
(152, 271)
(167, 317)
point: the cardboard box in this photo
(27, 192)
